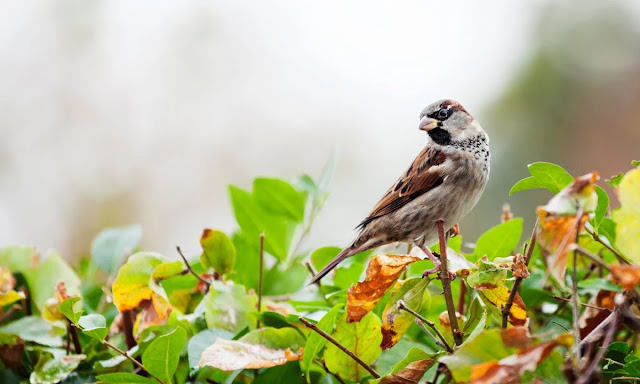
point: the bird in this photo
(445, 181)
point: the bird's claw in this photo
(437, 269)
(454, 231)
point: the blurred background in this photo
(113, 113)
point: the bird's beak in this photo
(427, 123)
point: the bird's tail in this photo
(347, 252)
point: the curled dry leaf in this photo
(154, 312)
(626, 276)
(382, 272)
(558, 221)
(519, 268)
(7, 294)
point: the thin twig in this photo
(127, 328)
(506, 309)
(335, 375)
(194, 273)
(402, 306)
(609, 247)
(446, 284)
(344, 349)
(575, 297)
(596, 330)
(72, 333)
(260, 278)
(583, 304)
(591, 256)
(560, 325)
(130, 358)
(595, 362)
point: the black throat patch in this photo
(440, 136)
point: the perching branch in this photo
(446, 284)
(194, 273)
(344, 349)
(514, 291)
(443, 342)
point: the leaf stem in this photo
(506, 309)
(574, 286)
(402, 306)
(597, 238)
(72, 333)
(194, 273)
(344, 349)
(446, 284)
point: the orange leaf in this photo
(412, 373)
(558, 220)
(154, 312)
(382, 273)
(626, 276)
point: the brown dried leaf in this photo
(382, 273)
(592, 317)
(230, 355)
(154, 312)
(519, 268)
(626, 276)
(558, 221)
(511, 368)
(410, 374)
(7, 281)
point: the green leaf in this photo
(273, 338)
(218, 251)
(410, 369)
(67, 309)
(52, 369)
(33, 328)
(280, 198)
(499, 241)
(362, 338)
(322, 256)
(596, 284)
(124, 378)
(254, 220)
(347, 275)
(282, 280)
(615, 180)
(315, 342)
(94, 325)
(229, 307)
(112, 245)
(43, 278)
(635, 163)
(544, 175)
(200, 342)
(162, 356)
(287, 373)
(601, 208)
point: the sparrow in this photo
(445, 181)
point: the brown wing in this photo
(421, 177)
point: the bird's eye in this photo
(444, 113)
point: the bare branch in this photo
(194, 273)
(443, 342)
(506, 309)
(344, 349)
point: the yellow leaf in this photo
(628, 216)
(131, 286)
(10, 297)
(382, 273)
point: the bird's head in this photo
(447, 122)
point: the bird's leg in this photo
(434, 260)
